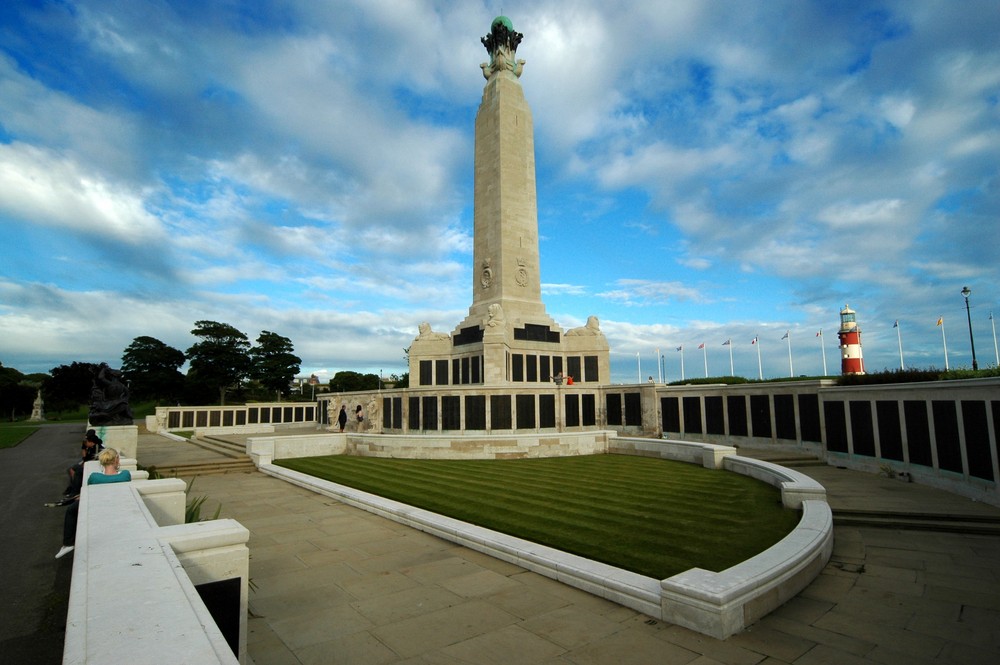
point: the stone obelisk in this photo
(506, 214)
(507, 336)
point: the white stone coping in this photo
(709, 455)
(715, 604)
(796, 487)
(132, 595)
(724, 603)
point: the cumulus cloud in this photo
(313, 161)
(42, 186)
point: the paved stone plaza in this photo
(338, 585)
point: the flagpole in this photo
(944, 342)
(791, 372)
(729, 342)
(760, 368)
(995, 351)
(681, 349)
(638, 366)
(704, 350)
(899, 338)
(659, 366)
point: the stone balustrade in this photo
(145, 584)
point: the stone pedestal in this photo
(123, 438)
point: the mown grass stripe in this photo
(514, 501)
(651, 516)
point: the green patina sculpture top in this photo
(501, 44)
(505, 21)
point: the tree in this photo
(68, 386)
(152, 369)
(221, 359)
(347, 381)
(17, 395)
(274, 364)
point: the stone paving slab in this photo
(338, 585)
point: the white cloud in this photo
(40, 185)
(641, 292)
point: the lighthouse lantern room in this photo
(851, 360)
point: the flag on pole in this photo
(785, 336)
(753, 341)
(701, 346)
(896, 324)
(729, 342)
(940, 321)
(680, 348)
(820, 333)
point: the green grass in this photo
(654, 517)
(12, 434)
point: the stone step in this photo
(800, 462)
(221, 446)
(789, 459)
(206, 468)
(969, 524)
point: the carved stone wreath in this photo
(521, 276)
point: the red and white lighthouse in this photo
(851, 361)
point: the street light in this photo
(966, 291)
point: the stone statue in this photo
(592, 328)
(374, 422)
(109, 398)
(427, 334)
(501, 44)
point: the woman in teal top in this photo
(111, 472)
(111, 469)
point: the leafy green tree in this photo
(152, 369)
(221, 359)
(69, 386)
(348, 381)
(274, 364)
(17, 395)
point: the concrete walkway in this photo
(35, 590)
(337, 585)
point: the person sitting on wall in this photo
(569, 379)
(89, 449)
(558, 379)
(111, 472)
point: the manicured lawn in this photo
(654, 517)
(12, 434)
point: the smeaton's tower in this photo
(508, 337)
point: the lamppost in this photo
(966, 291)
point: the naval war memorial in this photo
(509, 382)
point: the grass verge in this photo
(653, 517)
(12, 434)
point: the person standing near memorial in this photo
(342, 418)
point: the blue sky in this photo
(706, 171)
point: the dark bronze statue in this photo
(502, 44)
(109, 398)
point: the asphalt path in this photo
(35, 590)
